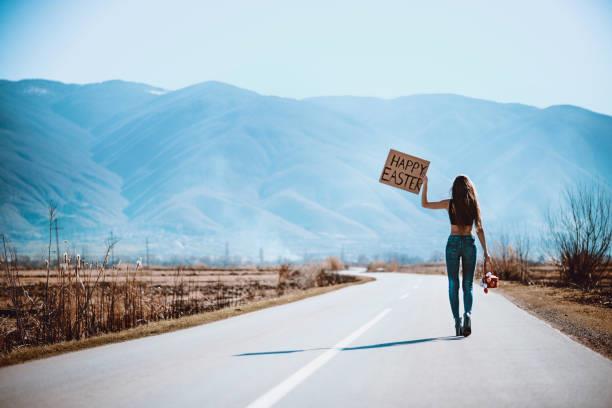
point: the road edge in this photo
(542, 317)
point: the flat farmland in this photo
(161, 276)
(220, 285)
(79, 301)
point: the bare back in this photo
(461, 229)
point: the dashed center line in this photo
(405, 295)
(275, 394)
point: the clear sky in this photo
(538, 52)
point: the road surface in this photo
(387, 343)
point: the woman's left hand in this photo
(487, 261)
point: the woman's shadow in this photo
(365, 347)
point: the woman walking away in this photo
(463, 211)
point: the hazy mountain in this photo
(93, 104)
(44, 157)
(211, 163)
(219, 160)
(520, 157)
(85, 105)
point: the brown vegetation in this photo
(510, 257)
(334, 264)
(20, 355)
(382, 266)
(432, 268)
(80, 300)
(580, 235)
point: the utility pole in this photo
(261, 256)
(147, 251)
(227, 254)
(112, 248)
(57, 245)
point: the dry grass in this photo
(434, 268)
(550, 274)
(546, 274)
(82, 303)
(334, 264)
(382, 266)
(78, 300)
(510, 256)
(424, 269)
(585, 316)
(30, 353)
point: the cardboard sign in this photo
(404, 171)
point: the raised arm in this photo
(433, 205)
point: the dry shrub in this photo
(511, 257)
(310, 275)
(284, 273)
(298, 277)
(376, 266)
(334, 264)
(328, 277)
(306, 276)
(505, 261)
(381, 266)
(580, 235)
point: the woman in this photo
(463, 211)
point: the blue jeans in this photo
(460, 247)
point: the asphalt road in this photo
(387, 343)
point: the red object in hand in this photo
(489, 281)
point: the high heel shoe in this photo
(467, 325)
(458, 328)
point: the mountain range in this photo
(211, 166)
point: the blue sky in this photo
(535, 52)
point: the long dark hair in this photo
(464, 208)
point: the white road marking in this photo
(275, 394)
(405, 295)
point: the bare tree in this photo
(504, 257)
(522, 245)
(580, 233)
